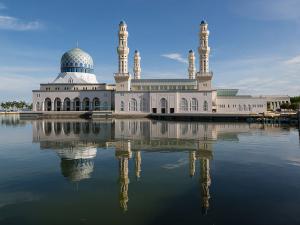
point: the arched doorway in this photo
(48, 104)
(67, 104)
(163, 105)
(86, 104)
(57, 104)
(96, 104)
(77, 104)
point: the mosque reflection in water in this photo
(76, 143)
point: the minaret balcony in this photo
(205, 74)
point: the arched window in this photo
(122, 107)
(77, 104)
(184, 106)
(57, 104)
(133, 105)
(96, 104)
(205, 106)
(67, 104)
(194, 104)
(86, 104)
(48, 104)
(163, 105)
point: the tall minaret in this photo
(204, 49)
(122, 77)
(137, 65)
(123, 49)
(192, 68)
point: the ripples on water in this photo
(147, 172)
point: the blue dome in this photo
(122, 22)
(76, 60)
(203, 22)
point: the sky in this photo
(255, 45)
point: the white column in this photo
(52, 105)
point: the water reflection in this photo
(76, 143)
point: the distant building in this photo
(77, 89)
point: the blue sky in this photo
(255, 45)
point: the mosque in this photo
(76, 87)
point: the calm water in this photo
(148, 172)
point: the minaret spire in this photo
(192, 68)
(137, 65)
(123, 49)
(204, 49)
(122, 77)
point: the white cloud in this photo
(12, 23)
(260, 75)
(293, 61)
(175, 56)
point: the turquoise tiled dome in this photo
(77, 60)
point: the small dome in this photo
(203, 22)
(191, 51)
(122, 23)
(77, 60)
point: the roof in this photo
(137, 81)
(227, 92)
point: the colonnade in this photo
(77, 104)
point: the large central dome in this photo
(77, 60)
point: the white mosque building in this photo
(77, 89)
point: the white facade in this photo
(77, 89)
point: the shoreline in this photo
(207, 117)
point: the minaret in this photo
(123, 78)
(204, 76)
(123, 49)
(192, 68)
(137, 65)
(204, 49)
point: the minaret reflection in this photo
(192, 156)
(123, 154)
(138, 164)
(205, 154)
(205, 182)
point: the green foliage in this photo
(294, 105)
(15, 105)
(295, 99)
